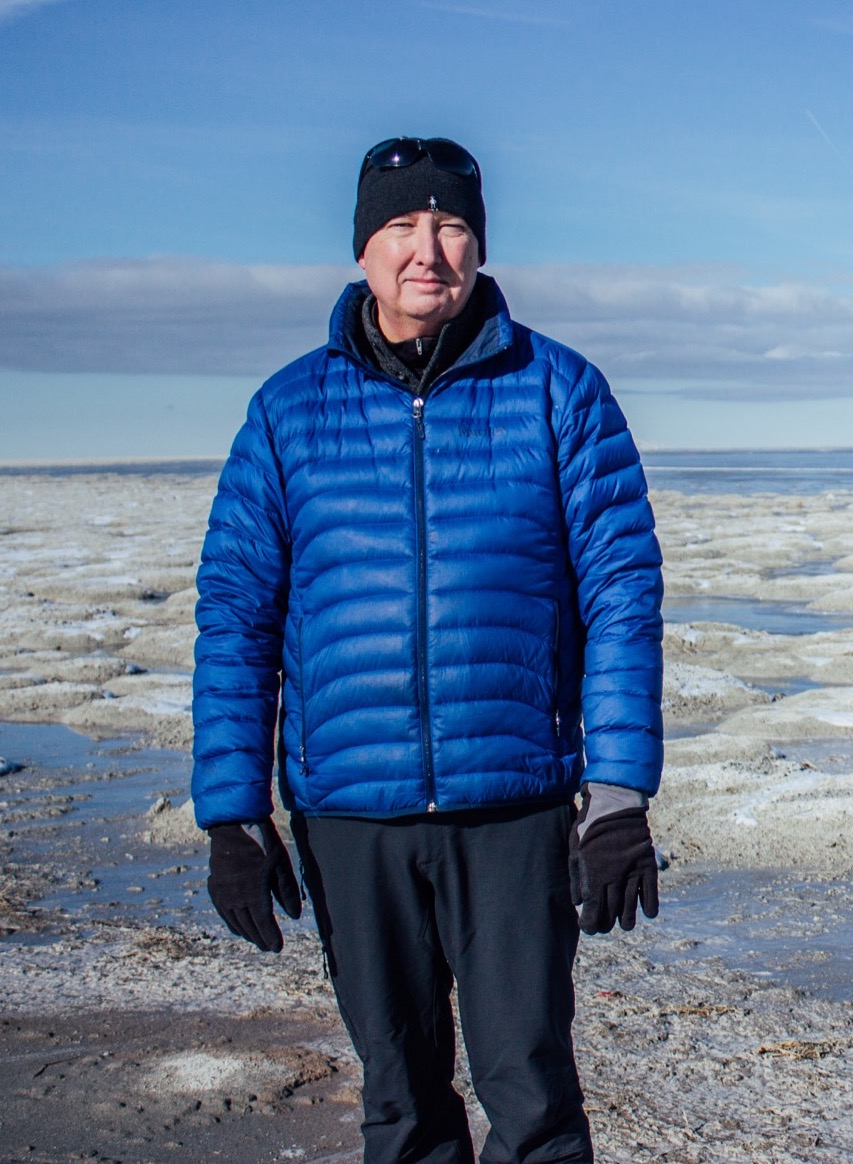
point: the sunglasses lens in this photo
(389, 155)
(450, 157)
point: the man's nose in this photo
(428, 248)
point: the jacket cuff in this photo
(605, 799)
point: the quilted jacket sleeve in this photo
(243, 587)
(616, 560)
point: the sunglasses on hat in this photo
(397, 152)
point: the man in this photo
(432, 544)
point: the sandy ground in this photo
(135, 1029)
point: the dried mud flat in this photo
(134, 1029)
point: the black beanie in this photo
(382, 194)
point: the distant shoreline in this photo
(129, 465)
(107, 464)
(690, 471)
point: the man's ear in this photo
(361, 262)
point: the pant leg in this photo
(510, 933)
(374, 910)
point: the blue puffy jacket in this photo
(434, 590)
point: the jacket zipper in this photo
(420, 534)
(303, 743)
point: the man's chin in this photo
(433, 308)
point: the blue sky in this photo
(669, 186)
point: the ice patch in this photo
(836, 718)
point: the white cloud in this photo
(9, 9)
(706, 329)
(163, 315)
(699, 326)
(526, 15)
(840, 25)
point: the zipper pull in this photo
(418, 413)
(419, 345)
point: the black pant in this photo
(406, 905)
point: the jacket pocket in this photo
(303, 738)
(555, 678)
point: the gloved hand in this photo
(612, 866)
(248, 864)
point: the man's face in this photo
(421, 267)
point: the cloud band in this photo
(190, 316)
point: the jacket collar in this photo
(495, 335)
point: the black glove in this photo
(612, 866)
(248, 863)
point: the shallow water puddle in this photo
(829, 755)
(778, 618)
(80, 805)
(816, 568)
(109, 874)
(768, 924)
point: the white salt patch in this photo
(697, 682)
(168, 706)
(198, 1071)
